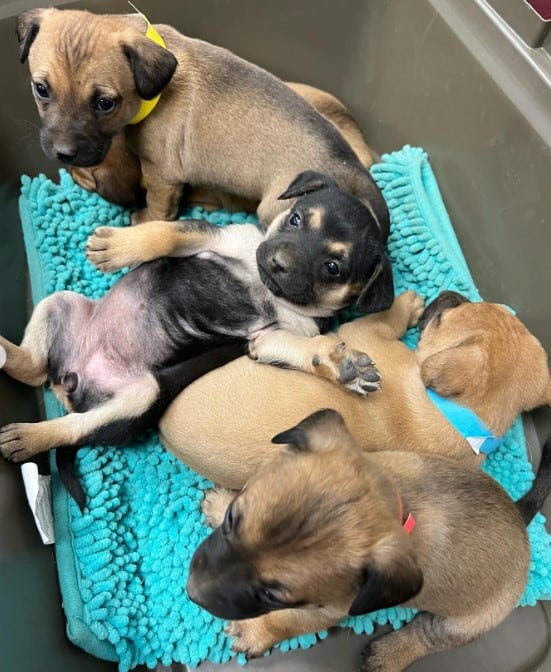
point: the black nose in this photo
(278, 263)
(65, 158)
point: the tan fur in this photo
(118, 177)
(178, 143)
(222, 424)
(316, 519)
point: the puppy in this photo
(118, 177)
(196, 114)
(324, 530)
(118, 362)
(477, 354)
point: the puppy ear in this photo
(378, 294)
(456, 369)
(305, 183)
(318, 431)
(152, 66)
(26, 28)
(391, 576)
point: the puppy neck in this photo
(465, 421)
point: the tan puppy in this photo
(477, 353)
(118, 178)
(220, 122)
(323, 530)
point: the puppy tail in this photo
(533, 500)
(65, 461)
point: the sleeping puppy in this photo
(117, 362)
(323, 530)
(196, 114)
(478, 355)
(118, 178)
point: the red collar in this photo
(409, 522)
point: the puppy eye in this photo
(295, 219)
(229, 519)
(266, 595)
(41, 90)
(333, 268)
(104, 105)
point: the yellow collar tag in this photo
(148, 106)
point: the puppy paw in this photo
(383, 654)
(355, 370)
(414, 306)
(109, 249)
(18, 441)
(249, 637)
(214, 505)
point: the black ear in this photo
(151, 65)
(378, 294)
(305, 183)
(313, 431)
(392, 578)
(26, 28)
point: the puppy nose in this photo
(65, 157)
(278, 263)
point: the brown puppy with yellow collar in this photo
(323, 530)
(478, 354)
(193, 113)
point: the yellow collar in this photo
(148, 106)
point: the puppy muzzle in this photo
(222, 582)
(286, 271)
(78, 150)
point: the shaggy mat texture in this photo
(123, 563)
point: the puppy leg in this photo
(391, 324)
(111, 248)
(426, 634)
(253, 636)
(326, 356)
(20, 441)
(163, 198)
(23, 363)
(28, 362)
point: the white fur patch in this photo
(3, 357)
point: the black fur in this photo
(27, 27)
(530, 503)
(322, 216)
(434, 311)
(152, 67)
(387, 585)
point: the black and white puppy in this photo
(116, 363)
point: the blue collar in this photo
(467, 423)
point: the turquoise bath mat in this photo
(123, 563)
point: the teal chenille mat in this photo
(123, 563)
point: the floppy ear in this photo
(26, 28)
(152, 66)
(391, 576)
(378, 294)
(305, 183)
(454, 370)
(318, 431)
